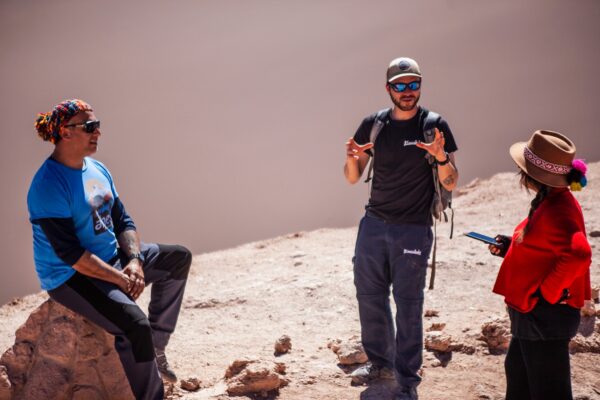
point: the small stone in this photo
(437, 341)
(496, 334)
(594, 234)
(589, 309)
(5, 385)
(432, 313)
(190, 384)
(596, 294)
(334, 345)
(580, 344)
(436, 326)
(298, 254)
(350, 353)
(244, 377)
(283, 345)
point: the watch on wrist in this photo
(137, 256)
(446, 161)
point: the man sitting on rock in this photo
(88, 254)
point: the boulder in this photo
(58, 354)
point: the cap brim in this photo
(401, 75)
(517, 152)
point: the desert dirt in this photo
(240, 301)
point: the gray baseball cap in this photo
(403, 66)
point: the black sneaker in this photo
(164, 368)
(369, 373)
(407, 393)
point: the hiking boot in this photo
(407, 393)
(164, 368)
(369, 373)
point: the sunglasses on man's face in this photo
(401, 87)
(88, 126)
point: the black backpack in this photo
(442, 198)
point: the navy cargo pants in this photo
(392, 255)
(166, 267)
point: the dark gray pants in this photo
(166, 267)
(396, 255)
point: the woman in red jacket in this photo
(545, 275)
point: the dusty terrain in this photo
(240, 301)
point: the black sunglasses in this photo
(401, 87)
(88, 126)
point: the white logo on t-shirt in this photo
(415, 252)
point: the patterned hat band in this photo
(545, 165)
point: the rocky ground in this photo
(240, 301)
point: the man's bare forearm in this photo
(448, 174)
(353, 169)
(129, 242)
(91, 265)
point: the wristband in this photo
(446, 161)
(137, 256)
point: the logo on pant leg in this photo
(415, 252)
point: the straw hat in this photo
(547, 157)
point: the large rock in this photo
(246, 376)
(60, 355)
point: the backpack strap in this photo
(433, 255)
(380, 120)
(430, 122)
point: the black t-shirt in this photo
(402, 187)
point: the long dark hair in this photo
(542, 191)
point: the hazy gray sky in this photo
(225, 121)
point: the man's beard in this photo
(406, 106)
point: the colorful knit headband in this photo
(48, 124)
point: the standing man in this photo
(395, 237)
(88, 254)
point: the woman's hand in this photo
(495, 249)
(501, 248)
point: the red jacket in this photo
(554, 255)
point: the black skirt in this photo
(545, 322)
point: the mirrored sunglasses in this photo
(401, 87)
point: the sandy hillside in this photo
(240, 300)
